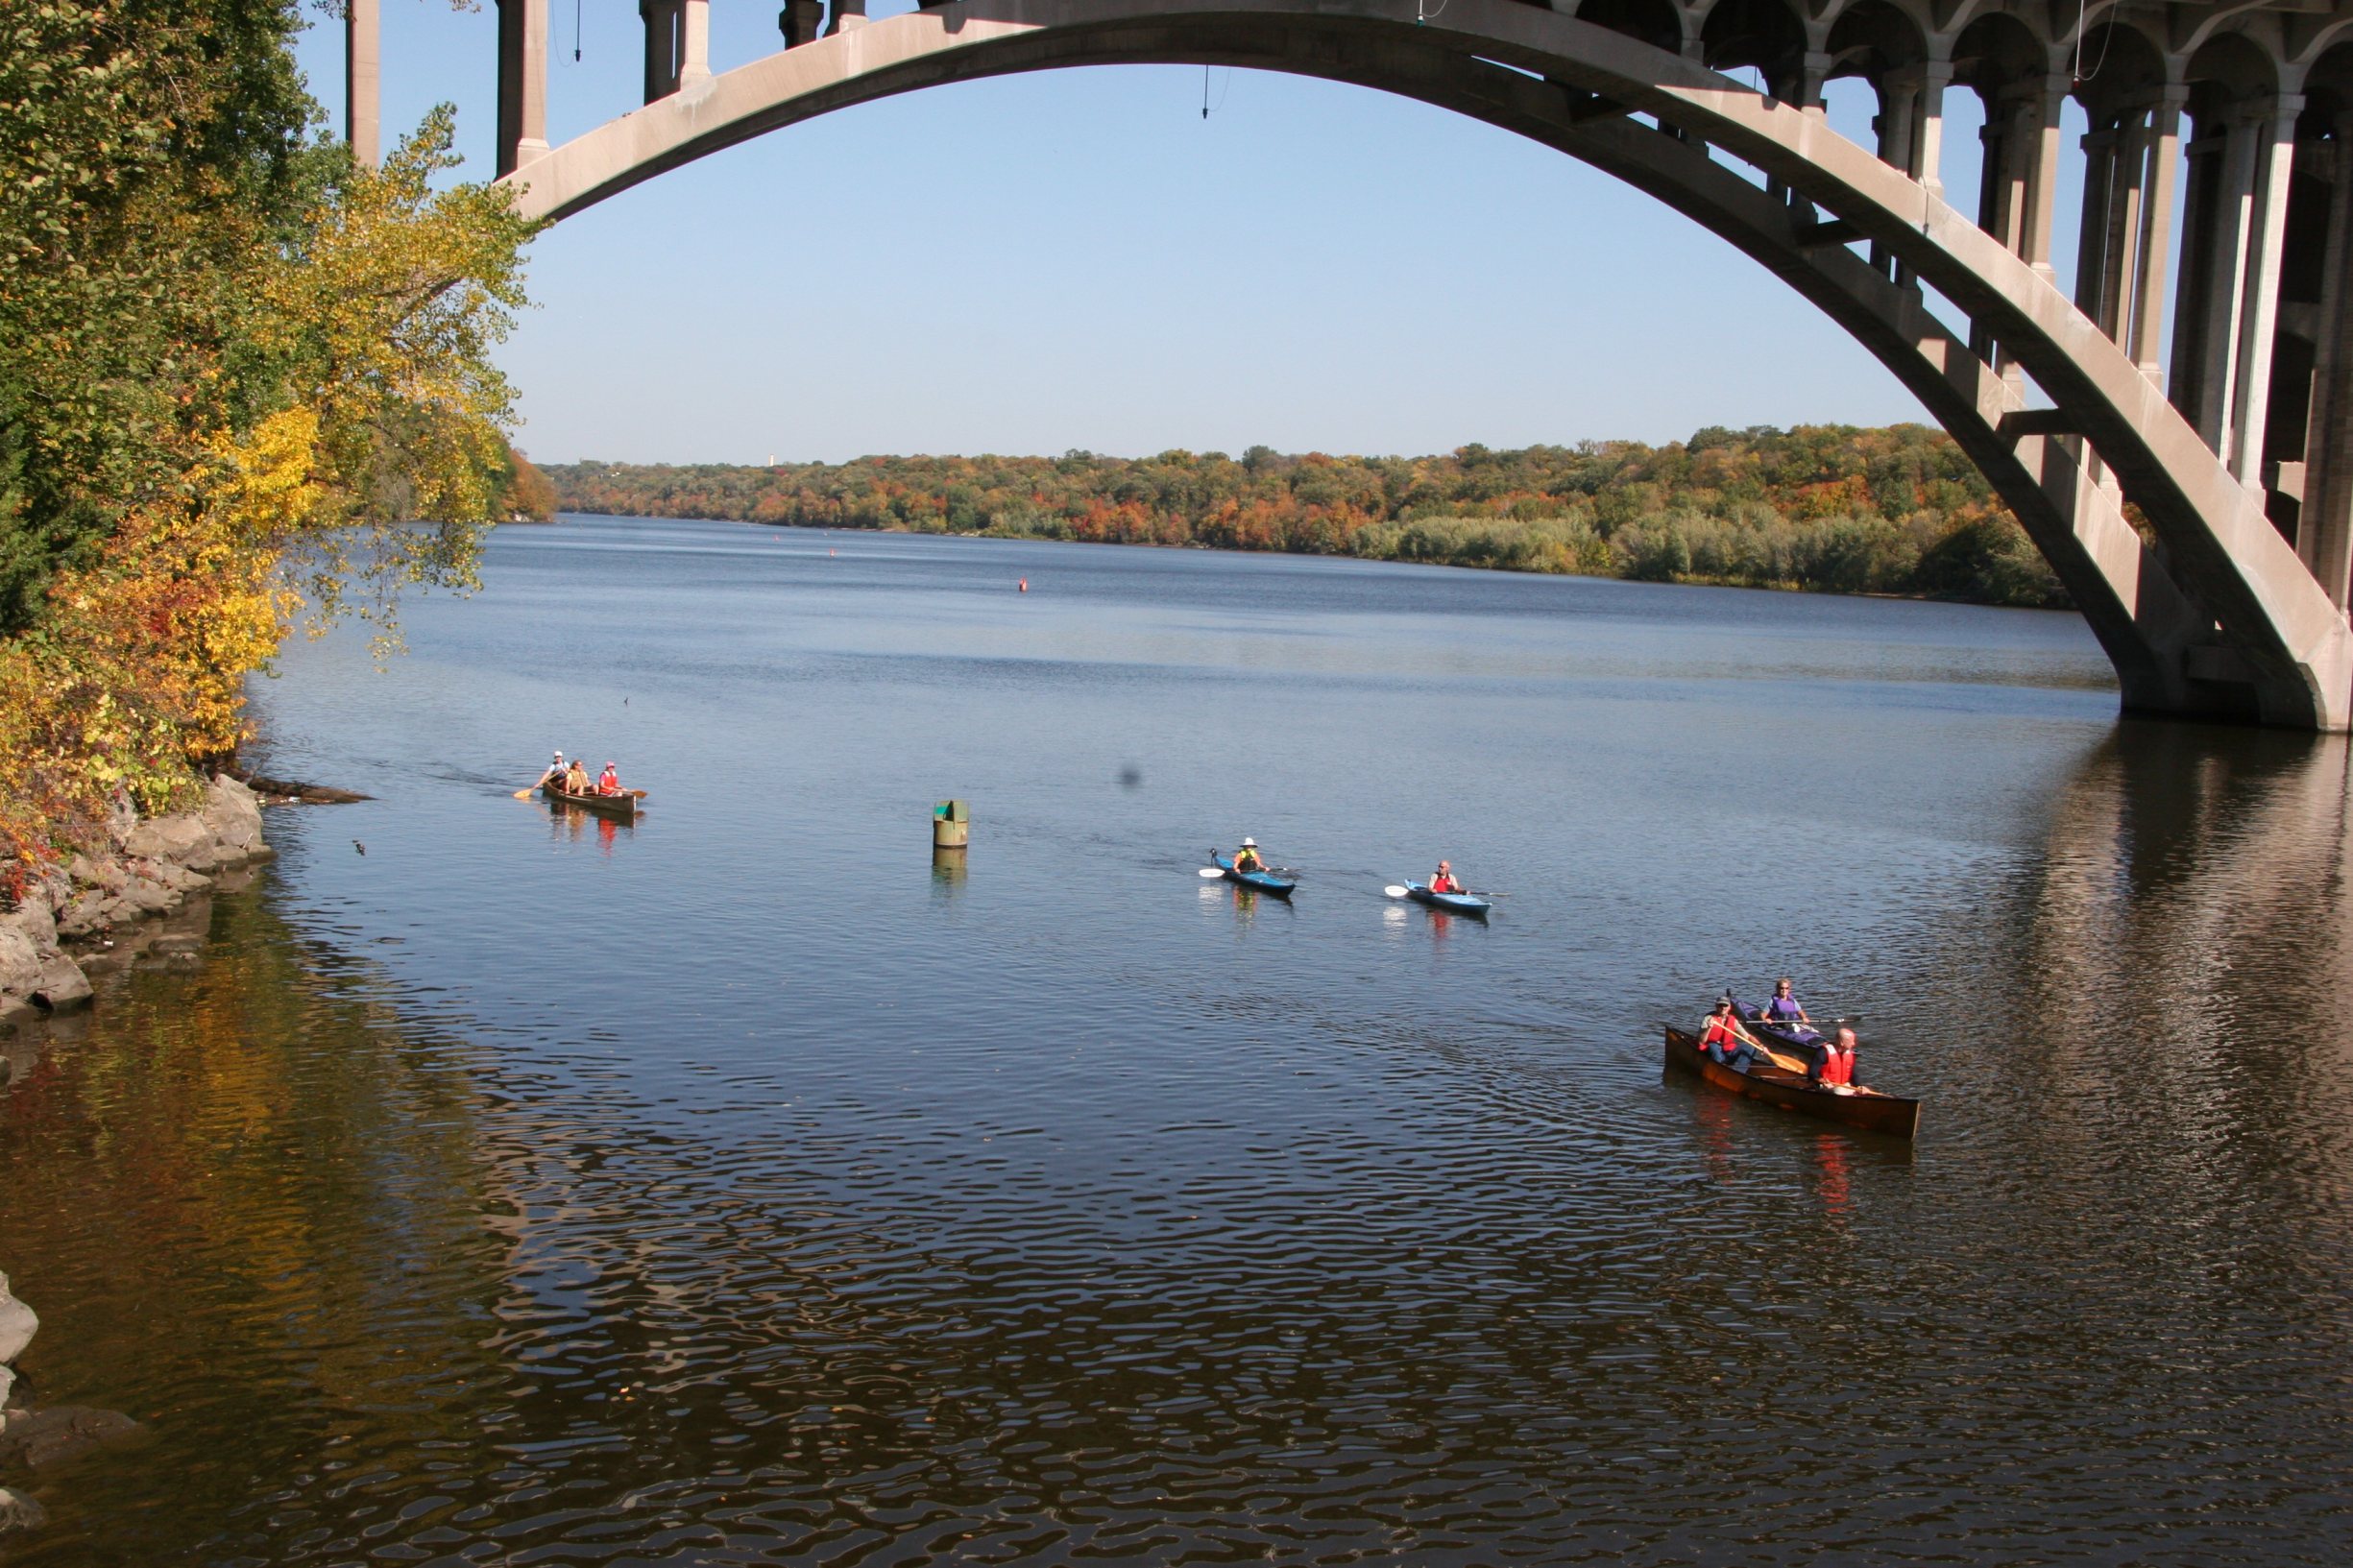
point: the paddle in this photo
(1787, 1064)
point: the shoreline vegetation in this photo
(246, 387)
(1896, 511)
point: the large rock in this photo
(63, 1433)
(233, 814)
(20, 963)
(17, 1324)
(63, 984)
(172, 838)
(18, 1512)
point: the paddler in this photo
(1442, 880)
(576, 779)
(553, 778)
(1784, 1009)
(1724, 1041)
(609, 782)
(1245, 859)
(1838, 1064)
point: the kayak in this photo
(1258, 879)
(1889, 1114)
(622, 806)
(1454, 903)
(1802, 1038)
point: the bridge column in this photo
(1926, 161)
(847, 15)
(801, 21)
(2042, 165)
(523, 82)
(694, 43)
(2325, 528)
(362, 74)
(664, 45)
(2214, 262)
(2156, 235)
(2094, 264)
(2259, 316)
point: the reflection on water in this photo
(729, 1190)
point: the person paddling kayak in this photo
(1784, 1009)
(1247, 858)
(1443, 879)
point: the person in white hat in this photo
(1245, 859)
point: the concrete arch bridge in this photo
(2198, 369)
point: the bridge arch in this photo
(2213, 614)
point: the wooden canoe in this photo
(1889, 1114)
(623, 805)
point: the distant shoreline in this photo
(1898, 512)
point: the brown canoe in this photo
(1777, 1086)
(623, 805)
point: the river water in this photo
(743, 1187)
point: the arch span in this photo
(2216, 618)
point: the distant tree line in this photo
(1828, 508)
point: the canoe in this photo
(1258, 879)
(1454, 903)
(1889, 1114)
(623, 805)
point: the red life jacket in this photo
(1838, 1066)
(1720, 1031)
(609, 783)
(1444, 885)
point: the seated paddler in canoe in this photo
(1723, 1040)
(1834, 1070)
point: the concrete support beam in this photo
(694, 43)
(801, 21)
(523, 82)
(1928, 127)
(2259, 316)
(2324, 525)
(664, 45)
(2156, 237)
(362, 77)
(2041, 183)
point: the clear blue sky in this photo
(1076, 258)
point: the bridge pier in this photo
(523, 82)
(362, 76)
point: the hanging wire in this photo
(2108, 41)
(575, 32)
(1206, 107)
(1421, 16)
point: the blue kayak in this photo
(1793, 1035)
(1258, 879)
(1454, 903)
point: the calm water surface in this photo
(742, 1187)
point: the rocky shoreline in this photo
(146, 891)
(74, 919)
